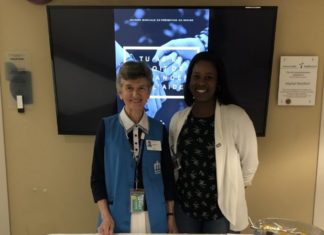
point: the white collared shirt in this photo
(130, 126)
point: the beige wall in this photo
(48, 174)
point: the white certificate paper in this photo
(297, 80)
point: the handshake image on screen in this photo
(169, 66)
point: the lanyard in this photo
(138, 159)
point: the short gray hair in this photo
(132, 70)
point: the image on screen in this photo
(166, 39)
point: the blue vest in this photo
(120, 172)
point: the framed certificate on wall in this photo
(297, 80)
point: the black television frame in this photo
(218, 43)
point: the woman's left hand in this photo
(172, 227)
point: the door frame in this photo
(4, 205)
(318, 218)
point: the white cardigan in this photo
(236, 158)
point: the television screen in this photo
(90, 43)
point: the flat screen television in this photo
(89, 43)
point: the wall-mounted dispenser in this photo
(20, 85)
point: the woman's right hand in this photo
(107, 226)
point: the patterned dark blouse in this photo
(196, 186)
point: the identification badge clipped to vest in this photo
(137, 200)
(153, 145)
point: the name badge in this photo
(153, 145)
(137, 201)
